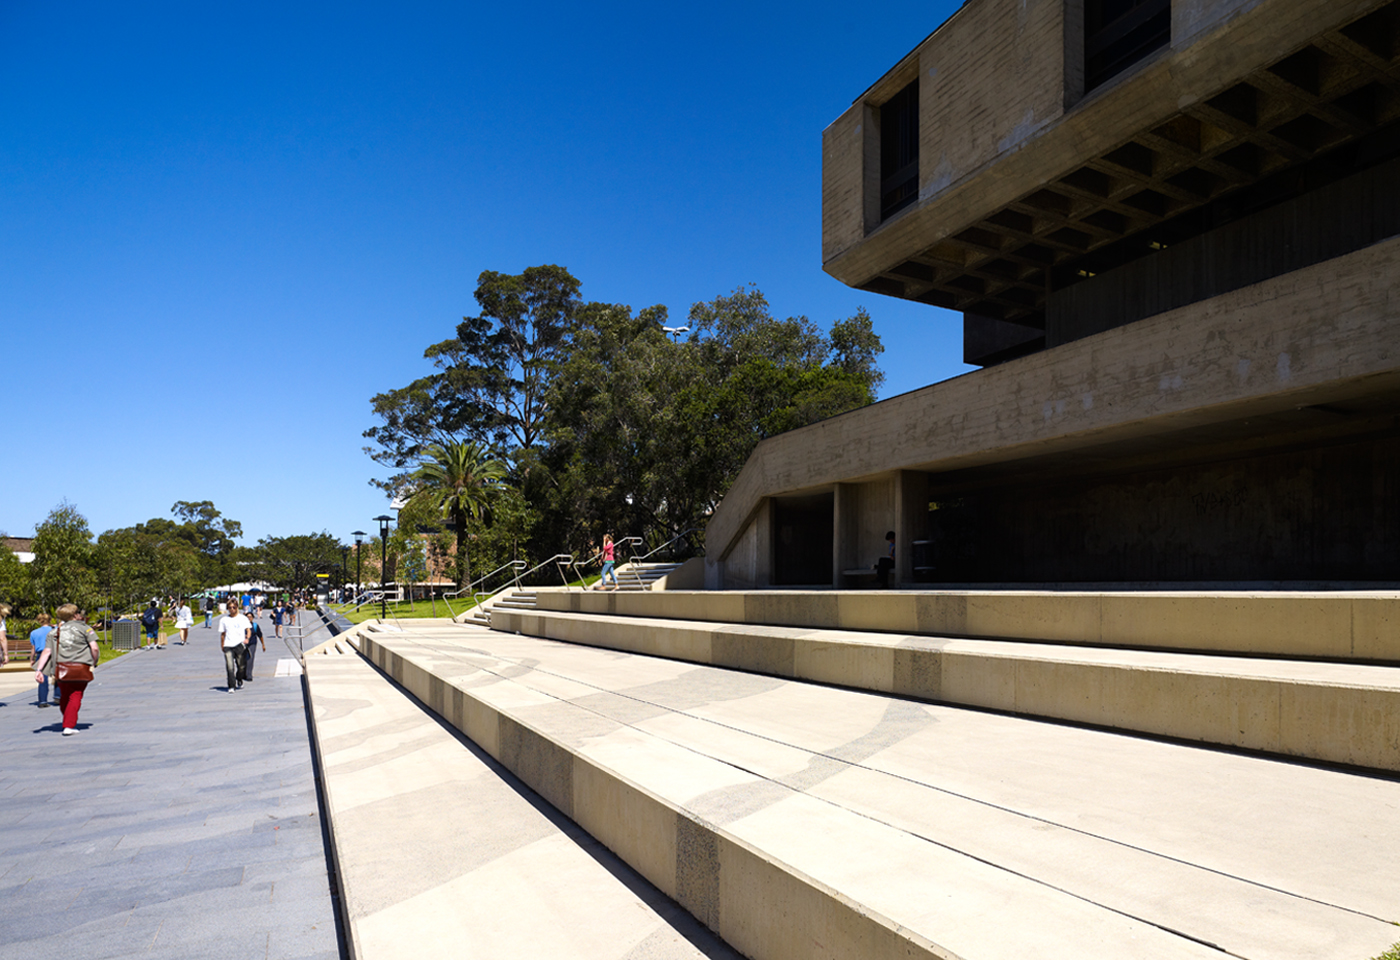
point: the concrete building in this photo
(1172, 229)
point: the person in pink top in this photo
(608, 558)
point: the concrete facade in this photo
(1182, 282)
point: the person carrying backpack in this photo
(150, 620)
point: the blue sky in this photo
(223, 229)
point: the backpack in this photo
(150, 618)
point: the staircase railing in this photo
(559, 560)
(652, 553)
(512, 567)
(590, 561)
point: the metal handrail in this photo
(560, 560)
(510, 565)
(678, 536)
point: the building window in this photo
(899, 151)
(1119, 33)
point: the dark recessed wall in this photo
(1326, 514)
(1327, 222)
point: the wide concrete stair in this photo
(1302, 675)
(443, 853)
(824, 817)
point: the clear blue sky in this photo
(224, 227)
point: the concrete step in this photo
(1333, 625)
(800, 820)
(442, 853)
(1346, 713)
(635, 577)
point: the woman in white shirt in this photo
(184, 619)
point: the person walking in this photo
(234, 630)
(609, 557)
(150, 622)
(39, 640)
(4, 638)
(209, 606)
(255, 637)
(75, 651)
(277, 619)
(184, 619)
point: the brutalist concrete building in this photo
(1172, 229)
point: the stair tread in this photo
(481, 887)
(1378, 676)
(938, 818)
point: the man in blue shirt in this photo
(39, 639)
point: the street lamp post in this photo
(384, 522)
(359, 536)
(344, 572)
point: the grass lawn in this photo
(418, 609)
(104, 646)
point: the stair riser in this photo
(759, 906)
(1338, 724)
(1321, 626)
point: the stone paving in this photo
(180, 822)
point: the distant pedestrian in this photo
(609, 557)
(4, 638)
(255, 637)
(234, 630)
(209, 606)
(39, 640)
(277, 613)
(885, 565)
(75, 650)
(150, 621)
(184, 619)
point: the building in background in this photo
(1172, 231)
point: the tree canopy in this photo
(606, 422)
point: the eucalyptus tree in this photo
(492, 379)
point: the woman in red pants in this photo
(76, 647)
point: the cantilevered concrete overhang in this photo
(1317, 350)
(1022, 178)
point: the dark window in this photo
(899, 151)
(1119, 33)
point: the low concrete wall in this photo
(1330, 626)
(1331, 712)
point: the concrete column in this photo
(839, 508)
(910, 520)
(763, 548)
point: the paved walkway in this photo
(180, 822)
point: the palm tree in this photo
(458, 480)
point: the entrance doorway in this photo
(802, 540)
